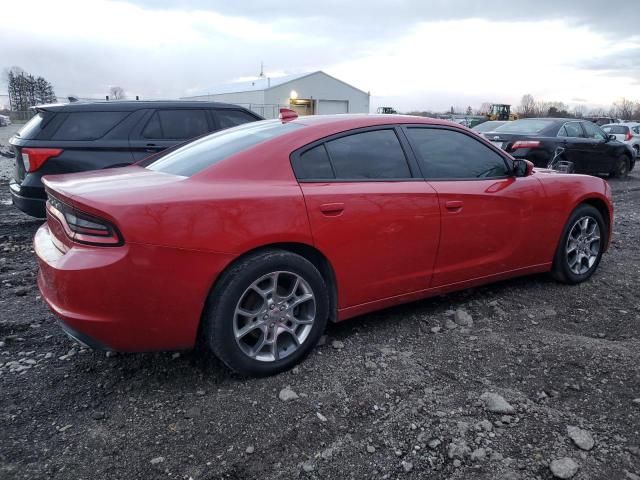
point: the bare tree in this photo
(527, 106)
(623, 108)
(117, 93)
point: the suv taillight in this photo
(628, 136)
(82, 227)
(34, 158)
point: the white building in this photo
(314, 93)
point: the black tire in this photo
(219, 317)
(621, 167)
(561, 270)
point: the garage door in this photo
(327, 107)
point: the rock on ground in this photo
(496, 403)
(580, 437)
(564, 468)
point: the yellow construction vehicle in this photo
(501, 111)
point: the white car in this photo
(626, 132)
(4, 121)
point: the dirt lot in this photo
(395, 394)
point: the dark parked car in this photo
(75, 137)
(578, 145)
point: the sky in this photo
(410, 54)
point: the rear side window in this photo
(613, 129)
(313, 164)
(232, 118)
(176, 124)
(571, 129)
(204, 152)
(87, 125)
(375, 154)
(32, 127)
(448, 154)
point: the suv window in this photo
(571, 129)
(231, 118)
(31, 128)
(176, 124)
(313, 164)
(87, 125)
(450, 154)
(593, 131)
(374, 154)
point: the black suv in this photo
(76, 137)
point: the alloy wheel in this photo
(274, 316)
(583, 245)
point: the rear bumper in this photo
(31, 205)
(132, 298)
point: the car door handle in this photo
(332, 209)
(454, 205)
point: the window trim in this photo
(501, 153)
(416, 174)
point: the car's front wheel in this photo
(266, 313)
(581, 246)
(621, 167)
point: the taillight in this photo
(82, 227)
(628, 136)
(34, 158)
(525, 144)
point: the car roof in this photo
(348, 121)
(130, 106)
(622, 124)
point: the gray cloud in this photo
(625, 63)
(381, 17)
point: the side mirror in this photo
(522, 167)
(611, 137)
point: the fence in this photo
(21, 116)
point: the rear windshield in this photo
(613, 129)
(31, 128)
(87, 125)
(525, 126)
(204, 152)
(487, 126)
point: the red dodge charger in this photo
(252, 238)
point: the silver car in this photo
(626, 132)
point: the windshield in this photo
(206, 151)
(525, 126)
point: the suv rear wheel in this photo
(621, 167)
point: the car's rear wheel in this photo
(266, 313)
(581, 246)
(621, 167)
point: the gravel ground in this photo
(544, 380)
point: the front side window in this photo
(176, 124)
(449, 154)
(593, 131)
(375, 154)
(87, 125)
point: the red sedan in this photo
(251, 239)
